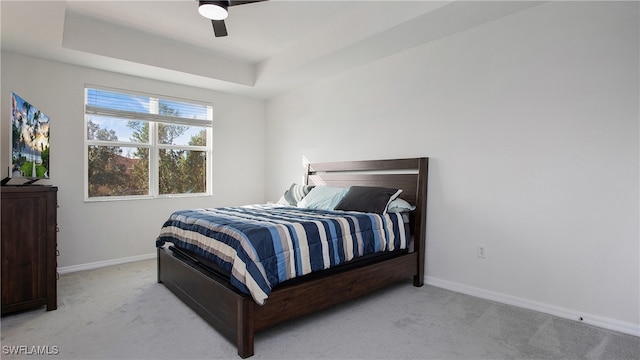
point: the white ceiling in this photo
(272, 47)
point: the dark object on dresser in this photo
(28, 247)
(237, 316)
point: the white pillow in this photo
(323, 198)
(399, 205)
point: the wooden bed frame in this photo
(236, 315)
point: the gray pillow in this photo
(296, 193)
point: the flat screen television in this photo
(29, 142)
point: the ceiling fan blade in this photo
(219, 28)
(242, 2)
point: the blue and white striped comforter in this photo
(264, 245)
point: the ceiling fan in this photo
(217, 12)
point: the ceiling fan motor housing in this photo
(214, 10)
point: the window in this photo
(144, 146)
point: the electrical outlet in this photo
(482, 251)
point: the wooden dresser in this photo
(28, 236)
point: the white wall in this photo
(104, 231)
(531, 124)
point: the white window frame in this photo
(154, 146)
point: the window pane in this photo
(118, 171)
(182, 171)
(169, 134)
(118, 101)
(105, 128)
(183, 109)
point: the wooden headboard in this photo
(410, 175)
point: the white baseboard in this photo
(596, 320)
(99, 264)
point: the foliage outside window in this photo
(142, 146)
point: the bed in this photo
(238, 314)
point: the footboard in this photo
(309, 297)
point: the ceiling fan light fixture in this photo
(214, 10)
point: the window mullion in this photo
(153, 159)
(154, 108)
(134, 115)
(117, 143)
(182, 147)
(209, 163)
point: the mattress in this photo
(261, 246)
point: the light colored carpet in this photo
(121, 312)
